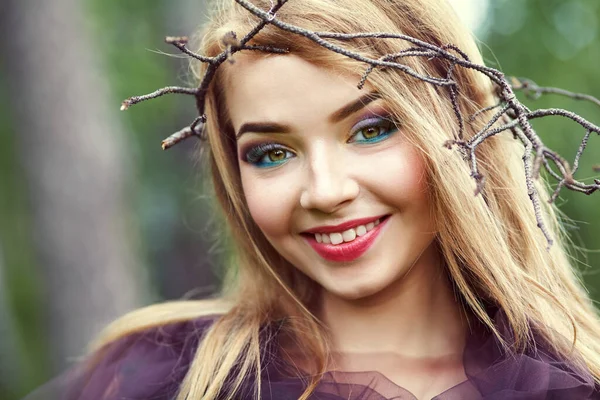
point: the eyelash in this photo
(258, 155)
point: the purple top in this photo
(151, 365)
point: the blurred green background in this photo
(95, 219)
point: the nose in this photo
(329, 184)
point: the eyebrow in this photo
(339, 115)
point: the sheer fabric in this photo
(152, 364)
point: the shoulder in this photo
(149, 362)
(536, 372)
(160, 315)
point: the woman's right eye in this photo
(267, 155)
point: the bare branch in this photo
(483, 110)
(180, 42)
(564, 113)
(195, 129)
(160, 92)
(533, 91)
(514, 115)
(453, 90)
(582, 147)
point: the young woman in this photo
(366, 268)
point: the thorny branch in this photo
(514, 116)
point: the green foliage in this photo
(555, 43)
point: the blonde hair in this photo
(508, 267)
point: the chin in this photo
(358, 290)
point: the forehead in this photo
(284, 87)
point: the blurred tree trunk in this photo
(10, 365)
(73, 150)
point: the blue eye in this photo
(267, 155)
(372, 130)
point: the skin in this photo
(391, 310)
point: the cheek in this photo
(399, 178)
(270, 201)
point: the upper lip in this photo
(343, 226)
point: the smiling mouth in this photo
(347, 235)
(346, 245)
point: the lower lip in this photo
(346, 251)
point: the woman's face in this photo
(333, 183)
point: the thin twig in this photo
(532, 90)
(180, 42)
(473, 116)
(160, 92)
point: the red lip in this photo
(343, 226)
(347, 251)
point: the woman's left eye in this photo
(372, 130)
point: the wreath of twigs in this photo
(511, 113)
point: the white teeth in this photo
(336, 238)
(361, 230)
(349, 235)
(346, 236)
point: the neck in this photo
(417, 316)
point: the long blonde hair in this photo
(507, 266)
